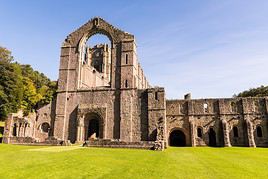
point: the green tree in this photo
(11, 87)
(21, 87)
(254, 92)
(30, 96)
(5, 55)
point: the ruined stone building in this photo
(104, 99)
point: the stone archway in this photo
(91, 122)
(93, 128)
(212, 138)
(177, 138)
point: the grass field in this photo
(77, 162)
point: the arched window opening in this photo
(235, 131)
(199, 132)
(126, 84)
(126, 58)
(97, 52)
(259, 131)
(14, 132)
(96, 57)
(233, 107)
(45, 127)
(153, 135)
(156, 95)
(205, 106)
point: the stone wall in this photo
(212, 113)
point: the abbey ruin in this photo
(104, 99)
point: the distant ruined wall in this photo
(246, 114)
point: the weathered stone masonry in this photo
(104, 99)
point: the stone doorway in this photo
(177, 138)
(93, 129)
(212, 138)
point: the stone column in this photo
(80, 129)
(20, 131)
(26, 131)
(250, 134)
(23, 130)
(193, 131)
(17, 130)
(226, 137)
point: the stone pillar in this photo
(226, 137)
(193, 131)
(25, 131)
(20, 131)
(80, 129)
(17, 131)
(250, 134)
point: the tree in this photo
(30, 96)
(21, 87)
(5, 55)
(11, 87)
(254, 92)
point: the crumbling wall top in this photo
(94, 26)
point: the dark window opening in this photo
(199, 132)
(156, 95)
(14, 133)
(235, 131)
(259, 131)
(45, 127)
(126, 84)
(153, 135)
(233, 106)
(126, 58)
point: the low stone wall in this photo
(119, 144)
(31, 141)
(21, 140)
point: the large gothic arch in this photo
(73, 73)
(93, 26)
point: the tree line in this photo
(254, 92)
(22, 87)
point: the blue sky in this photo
(208, 48)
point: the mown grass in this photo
(77, 162)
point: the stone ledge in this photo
(119, 144)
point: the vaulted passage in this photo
(212, 138)
(177, 138)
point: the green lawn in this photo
(77, 162)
